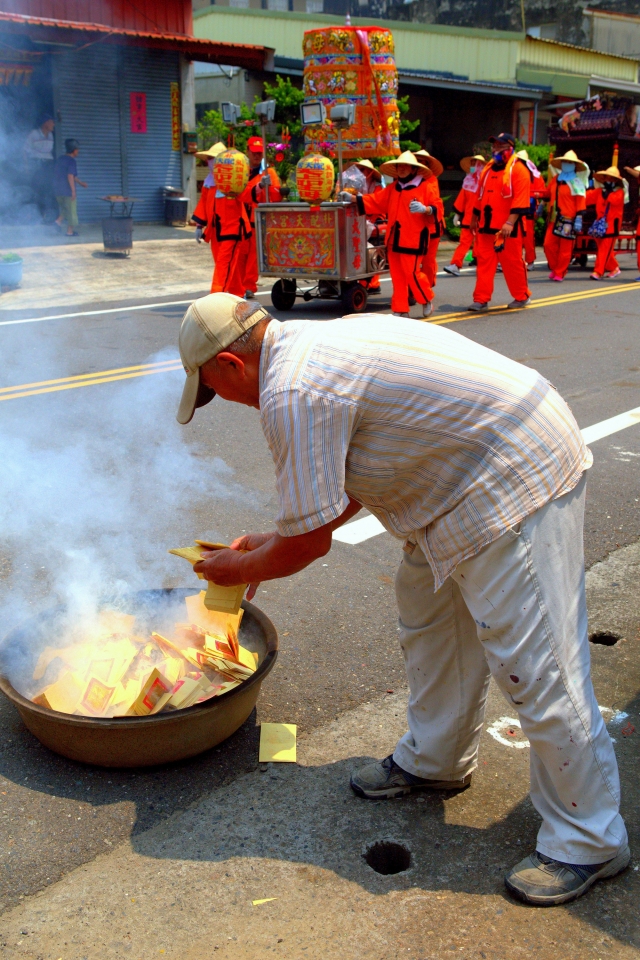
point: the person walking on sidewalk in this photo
(65, 180)
(635, 172)
(566, 194)
(463, 210)
(406, 205)
(436, 220)
(39, 160)
(476, 464)
(609, 202)
(502, 201)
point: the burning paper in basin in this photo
(119, 671)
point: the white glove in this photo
(346, 197)
(199, 232)
(577, 224)
(456, 220)
(265, 181)
(416, 207)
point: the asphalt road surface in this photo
(102, 463)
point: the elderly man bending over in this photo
(476, 464)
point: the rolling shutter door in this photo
(150, 159)
(86, 100)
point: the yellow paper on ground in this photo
(278, 742)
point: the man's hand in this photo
(199, 232)
(265, 181)
(347, 197)
(416, 207)
(456, 219)
(82, 183)
(473, 226)
(506, 230)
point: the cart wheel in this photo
(354, 297)
(283, 294)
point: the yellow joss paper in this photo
(212, 621)
(278, 742)
(155, 692)
(64, 695)
(248, 658)
(224, 599)
(96, 698)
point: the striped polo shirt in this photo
(445, 441)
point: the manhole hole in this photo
(605, 638)
(388, 857)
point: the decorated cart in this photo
(322, 247)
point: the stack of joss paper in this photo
(118, 673)
(223, 599)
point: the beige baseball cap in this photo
(210, 325)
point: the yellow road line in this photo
(162, 366)
(90, 376)
(71, 383)
(542, 302)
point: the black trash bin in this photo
(176, 207)
(117, 229)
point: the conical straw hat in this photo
(611, 173)
(569, 157)
(467, 162)
(367, 167)
(423, 156)
(389, 168)
(212, 152)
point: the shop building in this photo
(118, 77)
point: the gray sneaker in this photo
(452, 269)
(519, 304)
(384, 779)
(427, 308)
(478, 307)
(544, 882)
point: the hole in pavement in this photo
(605, 638)
(388, 857)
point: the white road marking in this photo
(95, 313)
(359, 530)
(606, 427)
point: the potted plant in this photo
(10, 270)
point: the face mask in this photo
(473, 169)
(568, 167)
(406, 179)
(501, 156)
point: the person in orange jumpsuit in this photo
(255, 193)
(463, 210)
(374, 183)
(202, 216)
(436, 222)
(536, 191)
(406, 204)
(635, 172)
(609, 203)
(566, 195)
(502, 201)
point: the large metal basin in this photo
(165, 737)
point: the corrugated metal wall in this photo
(162, 16)
(91, 95)
(86, 99)
(151, 163)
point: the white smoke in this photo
(96, 484)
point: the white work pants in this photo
(516, 611)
